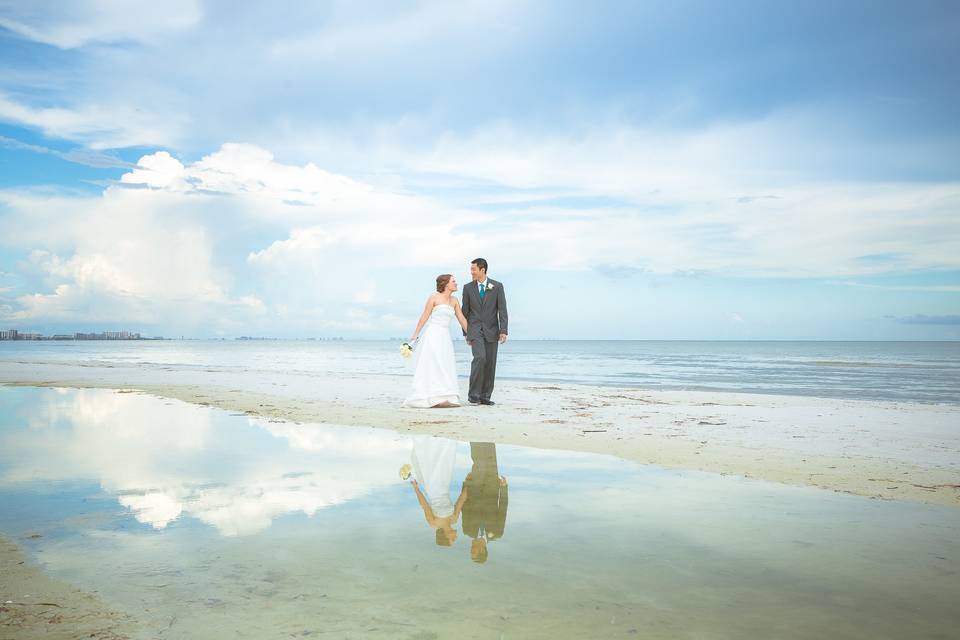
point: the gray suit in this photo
(486, 320)
(485, 509)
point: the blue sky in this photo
(682, 170)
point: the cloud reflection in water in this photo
(164, 459)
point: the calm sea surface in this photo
(916, 371)
(205, 524)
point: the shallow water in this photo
(202, 523)
(904, 371)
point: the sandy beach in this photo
(888, 450)
(34, 605)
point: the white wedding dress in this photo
(433, 460)
(434, 364)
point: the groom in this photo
(485, 308)
(485, 508)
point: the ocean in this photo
(901, 371)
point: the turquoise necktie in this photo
(483, 292)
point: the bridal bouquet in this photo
(405, 471)
(406, 350)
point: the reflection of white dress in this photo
(433, 460)
(434, 365)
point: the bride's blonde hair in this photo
(442, 281)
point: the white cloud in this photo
(242, 241)
(73, 24)
(679, 203)
(180, 80)
(79, 156)
(159, 170)
(126, 256)
(99, 125)
(353, 31)
(145, 251)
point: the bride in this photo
(434, 366)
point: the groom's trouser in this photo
(483, 369)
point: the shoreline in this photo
(34, 604)
(879, 449)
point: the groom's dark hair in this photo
(480, 262)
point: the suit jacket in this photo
(486, 503)
(487, 318)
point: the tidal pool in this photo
(205, 524)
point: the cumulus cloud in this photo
(215, 242)
(251, 173)
(159, 170)
(123, 256)
(218, 241)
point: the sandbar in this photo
(885, 450)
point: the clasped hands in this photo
(503, 338)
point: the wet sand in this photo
(889, 450)
(34, 605)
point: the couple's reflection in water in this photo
(482, 502)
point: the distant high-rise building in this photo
(13, 334)
(107, 335)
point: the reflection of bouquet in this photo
(406, 350)
(405, 471)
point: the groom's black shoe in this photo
(475, 400)
(490, 402)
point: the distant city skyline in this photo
(16, 334)
(694, 170)
(26, 336)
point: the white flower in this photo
(489, 286)
(406, 350)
